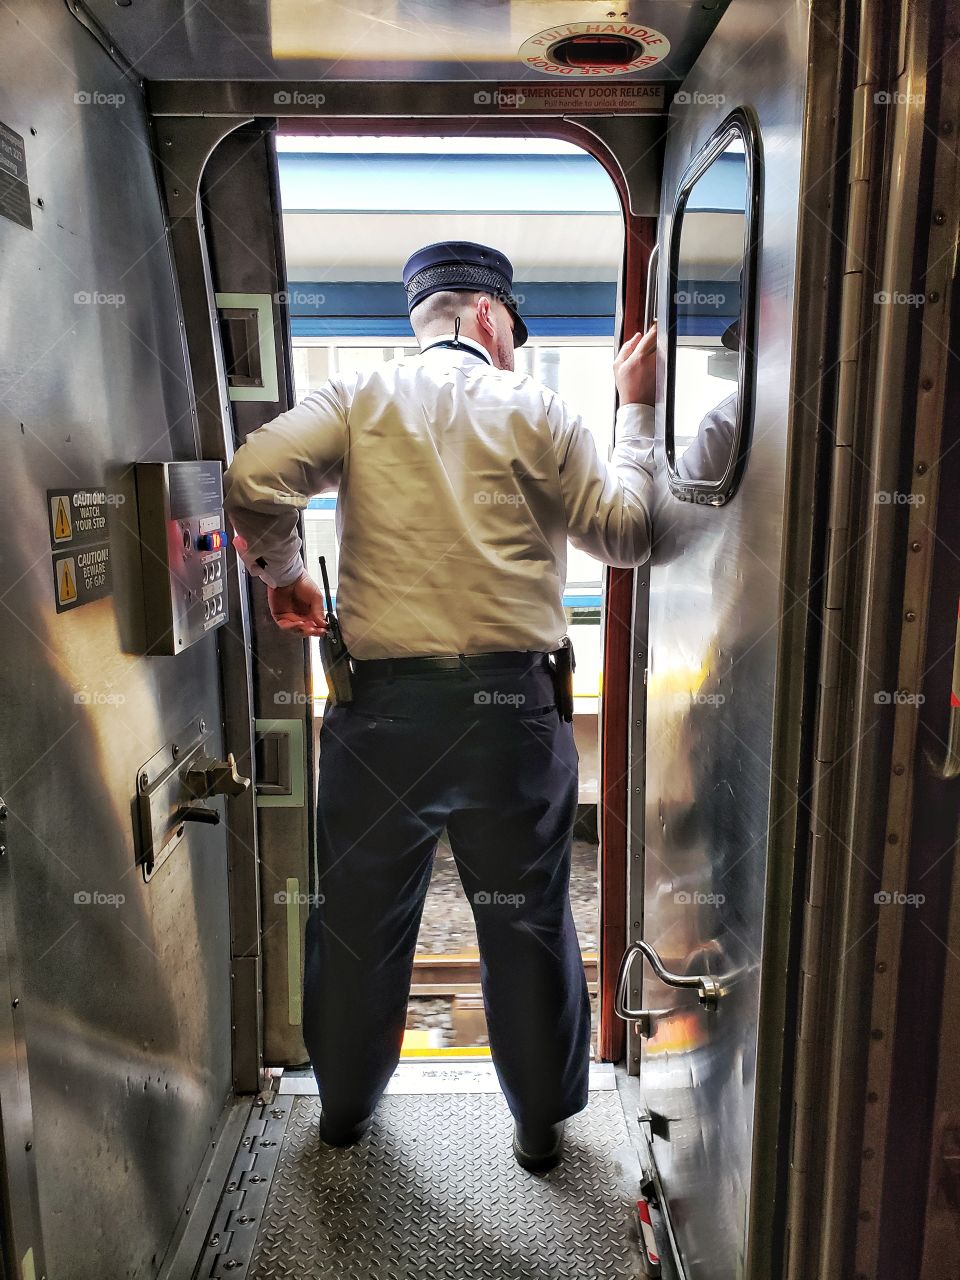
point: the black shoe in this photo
(340, 1135)
(538, 1148)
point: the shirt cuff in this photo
(272, 574)
(635, 421)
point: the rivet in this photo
(15, 1002)
(882, 966)
(921, 468)
(933, 295)
(636, 924)
(899, 770)
(910, 616)
(926, 383)
(916, 546)
(39, 202)
(939, 218)
(175, 751)
(28, 1146)
(144, 780)
(892, 838)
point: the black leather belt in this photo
(462, 661)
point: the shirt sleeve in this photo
(275, 472)
(608, 504)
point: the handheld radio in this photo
(333, 651)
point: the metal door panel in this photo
(715, 606)
(126, 1003)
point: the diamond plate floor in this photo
(433, 1193)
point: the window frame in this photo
(743, 124)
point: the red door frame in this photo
(640, 235)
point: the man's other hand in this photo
(298, 607)
(635, 368)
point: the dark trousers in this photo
(487, 756)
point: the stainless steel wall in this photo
(126, 1000)
(716, 630)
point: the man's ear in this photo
(483, 316)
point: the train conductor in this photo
(458, 485)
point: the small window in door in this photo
(711, 315)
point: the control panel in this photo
(183, 547)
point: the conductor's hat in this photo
(461, 264)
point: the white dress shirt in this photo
(458, 485)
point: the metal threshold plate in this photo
(443, 1076)
(433, 1191)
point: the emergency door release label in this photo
(79, 528)
(585, 95)
(14, 192)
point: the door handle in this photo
(708, 988)
(650, 301)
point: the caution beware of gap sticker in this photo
(79, 528)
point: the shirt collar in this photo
(474, 348)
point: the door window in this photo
(711, 321)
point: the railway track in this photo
(459, 974)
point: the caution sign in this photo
(79, 516)
(82, 576)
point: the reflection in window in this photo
(707, 302)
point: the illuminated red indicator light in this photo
(211, 541)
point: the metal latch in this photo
(170, 789)
(209, 777)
